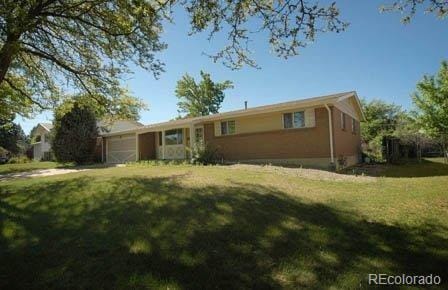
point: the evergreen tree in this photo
(75, 135)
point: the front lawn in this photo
(187, 227)
(34, 165)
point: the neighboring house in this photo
(313, 132)
(42, 146)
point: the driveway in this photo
(38, 173)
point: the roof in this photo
(47, 126)
(118, 125)
(309, 102)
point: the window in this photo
(174, 137)
(342, 121)
(294, 120)
(353, 126)
(160, 138)
(38, 138)
(227, 127)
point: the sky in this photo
(377, 56)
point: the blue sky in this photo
(377, 56)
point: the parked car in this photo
(4, 159)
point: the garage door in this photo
(121, 149)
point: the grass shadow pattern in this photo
(154, 233)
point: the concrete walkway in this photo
(38, 173)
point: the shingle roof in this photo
(47, 126)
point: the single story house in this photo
(316, 132)
(42, 145)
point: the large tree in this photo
(49, 46)
(200, 99)
(75, 135)
(431, 101)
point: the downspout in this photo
(102, 149)
(330, 124)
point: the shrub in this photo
(205, 154)
(75, 136)
(342, 162)
(150, 163)
(19, 159)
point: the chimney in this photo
(245, 105)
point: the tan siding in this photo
(264, 122)
(276, 143)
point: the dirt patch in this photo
(38, 173)
(313, 174)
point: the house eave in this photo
(305, 103)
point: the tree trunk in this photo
(9, 49)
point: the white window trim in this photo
(292, 116)
(183, 137)
(227, 127)
(353, 126)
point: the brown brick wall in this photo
(346, 143)
(278, 144)
(146, 145)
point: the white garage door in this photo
(121, 149)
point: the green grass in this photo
(187, 227)
(22, 167)
(427, 167)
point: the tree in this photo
(200, 99)
(75, 135)
(431, 102)
(12, 137)
(49, 46)
(409, 8)
(124, 107)
(381, 118)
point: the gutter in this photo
(330, 124)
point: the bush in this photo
(75, 135)
(19, 159)
(149, 163)
(205, 154)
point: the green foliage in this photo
(381, 119)
(431, 101)
(200, 99)
(3, 152)
(122, 107)
(149, 163)
(205, 155)
(12, 137)
(90, 46)
(19, 160)
(75, 135)
(386, 119)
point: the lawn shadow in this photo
(410, 168)
(146, 233)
